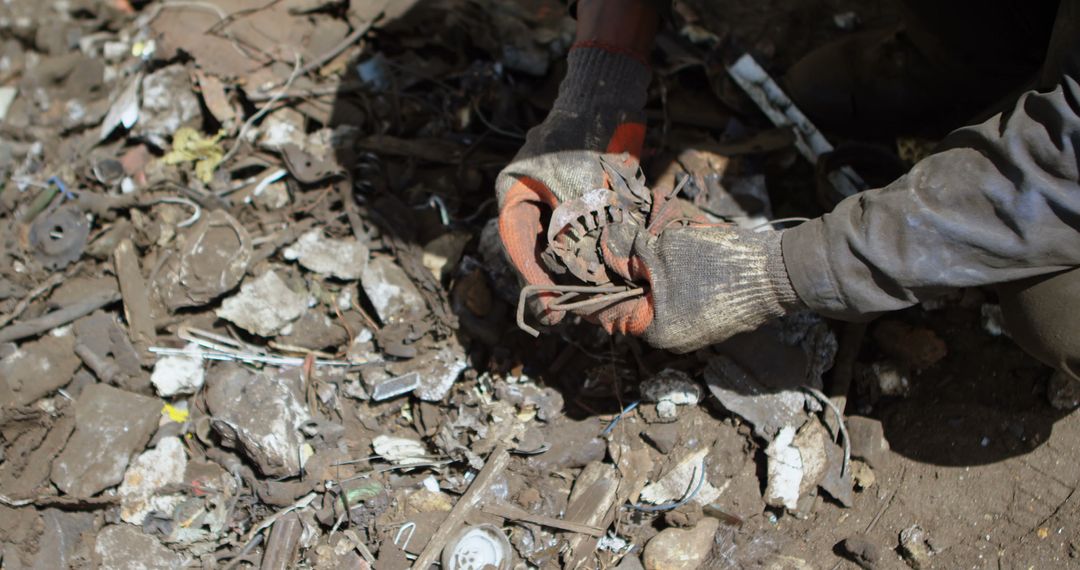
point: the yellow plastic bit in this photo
(190, 145)
(175, 414)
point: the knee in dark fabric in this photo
(1041, 315)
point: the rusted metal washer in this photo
(58, 238)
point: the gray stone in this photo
(260, 414)
(63, 538)
(867, 440)
(340, 258)
(662, 436)
(264, 306)
(38, 368)
(110, 426)
(125, 547)
(390, 290)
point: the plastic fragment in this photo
(190, 145)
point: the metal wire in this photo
(839, 421)
(686, 499)
(607, 294)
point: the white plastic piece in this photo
(785, 470)
(124, 111)
(477, 548)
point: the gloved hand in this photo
(598, 110)
(704, 284)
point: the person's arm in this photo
(999, 202)
(619, 26)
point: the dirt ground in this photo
(254, 313)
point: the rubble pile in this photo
(254, 312)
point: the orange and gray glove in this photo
(704, 284)
(599, 110)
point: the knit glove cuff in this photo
(711, 283)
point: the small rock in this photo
(316, 331)
(524, 394)
(846, 21)
(425, 501)
(888, 379)
(264, 306)
(861, 551)
(284, 126)
(168, 103)
(274, 196)
(993, 320)
(110, 426)
(862, 475)
(38, 368)
(867, 440)
(178, 375)
(155, 468)
(340, 258)
(671, 388)
(399, 450)
(662, 436)
(126, 547)
(260, 414)
(677, 549)
(573, 446)
(438, 370)
(915, 547)
(390, 290)
(915, 347)
(442, 254)
(1063, 391)
(768, 408)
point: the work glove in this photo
(704, 284)
(599, 110)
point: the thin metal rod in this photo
(605, 300)
(529, 290)
(841, 428)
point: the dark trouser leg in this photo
(943, 66)
(996, 37)
(1041, 315)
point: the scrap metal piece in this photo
(778, 107)
(59, 237)
(604, 296)
(213, 258)
(307, 168)
(395, 386)
(574, 234)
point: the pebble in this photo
(1063, 391)
(915, 547)
(860, 550)
(677, 549)
(867, 440)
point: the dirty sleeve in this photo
(1000, 201)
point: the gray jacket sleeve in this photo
(999, 202)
